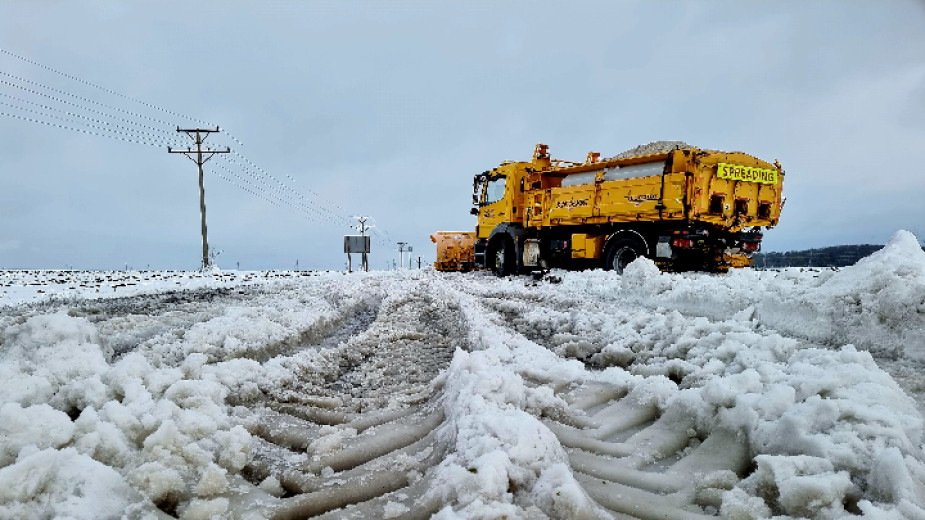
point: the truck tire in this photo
(502, 259)
(621, 253)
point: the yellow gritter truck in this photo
(685, 208)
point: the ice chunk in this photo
(39, 425)
(63, 484)
(159, 482)
(801, 485)
(889, 479)
(54, 359)
(200, 509)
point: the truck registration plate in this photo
(746, 173)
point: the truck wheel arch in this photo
(515, 236)
(630, 234)
(621, 240)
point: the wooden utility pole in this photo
(200, 135)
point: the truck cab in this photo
(499, 204)
(498, 197)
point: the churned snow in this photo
(792, 393)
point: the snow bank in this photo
(150, 428)
(876, 305)
(505, 462)
(879, 303)
(163, 432)
(826, 425)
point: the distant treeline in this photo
(835, 256)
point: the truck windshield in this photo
(495, 189)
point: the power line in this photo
(269, 177)
(128, 131)
(262, 193)
(70, 103)
(279, 193)
(306, 209)
(59, 91)
(126, 134)
(110, 91)
(104, 114)
(89, 132)
(244, 188)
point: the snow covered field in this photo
(796, 393)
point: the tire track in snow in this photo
(635, 461)
(353, 434)
(629, 457)
(355, 426)
(730, 372)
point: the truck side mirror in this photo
(474, 211)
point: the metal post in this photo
(362, 227)
(401, 254)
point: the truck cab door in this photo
(494, 205)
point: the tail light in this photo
(682, 243)
(750, 246)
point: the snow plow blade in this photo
(455, 250)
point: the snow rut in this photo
(351, 430)
(676, 416)
(638, 463)
(634, 457)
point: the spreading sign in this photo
(745, 173)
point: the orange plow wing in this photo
(455, 250)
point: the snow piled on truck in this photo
(652, 148)
(156, 406)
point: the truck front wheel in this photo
(621, 253)
(503, 257)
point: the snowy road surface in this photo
(413, 394)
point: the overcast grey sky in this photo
(389, 108)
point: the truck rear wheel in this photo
(503, 257)
(621, 253)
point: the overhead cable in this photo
(110, 91)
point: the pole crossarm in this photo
(195, 159)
